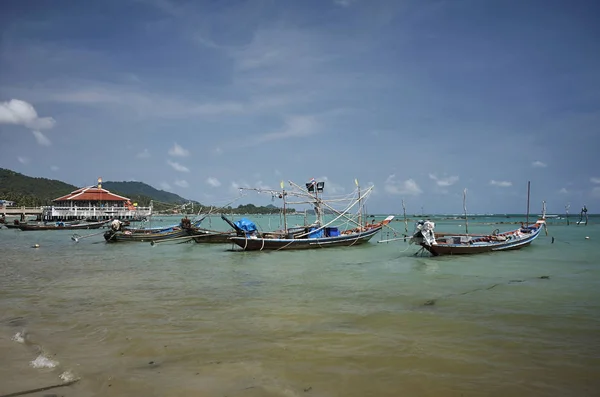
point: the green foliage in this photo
(31, 192)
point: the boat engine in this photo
(116, 225)
(424, 233)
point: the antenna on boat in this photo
(465, 208)
(528, 191)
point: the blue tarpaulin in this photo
(246, 225)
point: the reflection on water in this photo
(192, 319)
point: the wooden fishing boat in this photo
(206, 236)
(460, 244)
(117, 233)
(60, 226)
(317, 235)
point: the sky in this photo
(419, 98)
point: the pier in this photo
(72, 213)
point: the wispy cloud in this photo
(178, 151)
(563, 191)
(408, 187)
(41, 138)
(214, 182)
(596, 192)
(539, 164)
(181, 183)
(23, 160)
(178, 167)
(295, 127)
(595, 180)
(444, 182)
(54, 168)
(164, 186)
(500, 183)
(23, 113)
(144, 154)
(343, 3)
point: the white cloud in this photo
(214, 182)
(218, 151)
(178, 167)
(23, 160)
(178, 151)
(444, 182)
(144, 154)
(295, 127)
(408, 187)
(563, 191)
(41, 138)
(500, 183)
(164, 186)
(54, 168)
(595, 180)
(181, 183)
(23, 113)
(596, 192)
(539, 164)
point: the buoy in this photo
(587, 237)
(35, 246)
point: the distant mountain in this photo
(29, 191)
(33, 192)
(140, 191)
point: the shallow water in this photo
(192, 319)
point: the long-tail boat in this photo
(437, 243)
(117, 233)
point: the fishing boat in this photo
(117, 233)
(59, 226)
(316, 235)
(460, 244)
(206, 236)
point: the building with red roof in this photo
(94, 202)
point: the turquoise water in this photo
(373, 320)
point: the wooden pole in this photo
(528, 192)
(465, 208)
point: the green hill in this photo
(34, 192)
(30, 191)
(135, 190)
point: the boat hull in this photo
(479, 248)
(114, 237)
(204, 236)
(264, 244)
(83, 226)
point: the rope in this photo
(76, 237)
(22, 393)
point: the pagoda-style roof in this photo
(91, 193)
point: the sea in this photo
(380, 319)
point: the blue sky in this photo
(421, 99)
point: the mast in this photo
(465, 208)
(528, 191)
(567, 212)
(405, 220)
(284, 208)
(360, 208)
